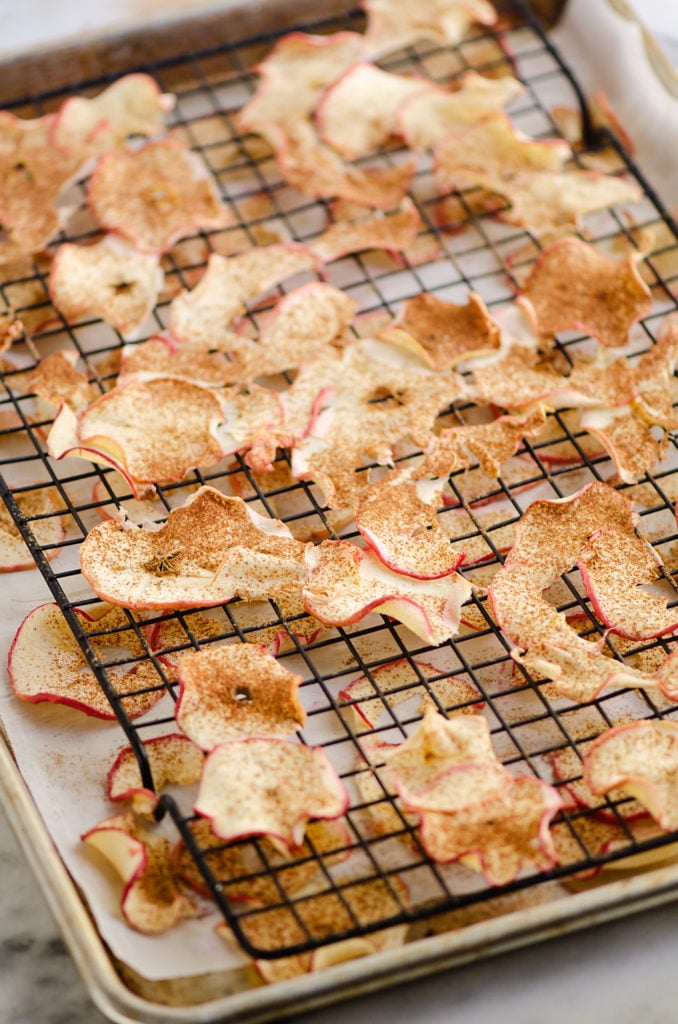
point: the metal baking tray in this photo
(458, 922)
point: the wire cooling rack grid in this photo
(477, 252)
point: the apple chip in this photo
(345, 583)
(154, 195)
(132, 105)
(249, 877)
(356, 406)
(442, 333)
(397, 518)
(41, 508)
(151, 432)
(46, 663)
(152, 900)
(488, 444)
(173, 760)
(206, 313)
(272, 787)
(427, 116)
(500, 835)
(357, 113)
(574, 286)
(641, 758)
(236, 691)
(32, 175)
(628, 439)
(394, 24)
(398, 681)
(391, 231)
(109, 279)
(567, 768)
(182, 564)
(56, 379)
(11, 329)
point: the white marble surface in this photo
(620, 973)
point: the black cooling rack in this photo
(479, 253)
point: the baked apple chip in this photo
(394, 24)
(425, 117)
(153, 899)
(41, 507)
(234, 691)
(442, 333)
(173, 760)
(345, 583)
(109, 279)
(641, 758)
(574, 286)
(397, 518)
(272, 787)
(57, 380)
(394, 232)
(46, 663)
(154, 195)
(184, 562)
(132, 105)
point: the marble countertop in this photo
(617, 973)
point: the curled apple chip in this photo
(150, 431)
(41, 508)
(46, 663)
(443, 333)
(56, 379)
(173, 760)
(32, 175)
(500, 835)
(153, 900)
(236, 691)
(628, 439)
(248, 876)
(641, 758)
(394, 232)
(132, 105)
(272, 787)
(427, 116)
(109, 279)
(488, 444)
(398, 681)
(397, 518)
(206, 313)
(345, 583)
(154, 195)
(394, 24)
(567, 768)
(357, 113)
(355, 406)
(573, 285)
(181, 563)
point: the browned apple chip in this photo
(41, 507)
(641, 758)
(272, 787)
(573, 285)
(344, 584)
(173, 760)
(56, 379)
(152, 900)
(394, 24)
(132, 105)
(394, 232)
(397, 518)
(183, 563)
(427, 116)
(154, 195)
(46, 663)
(442, 333)
(109, 279)
(236, 691)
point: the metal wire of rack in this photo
(478, 253)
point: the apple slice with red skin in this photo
(173, 759)
(395, 24)
(234, 691)
(185, 562)
(266, 786)
(153, 900)
(345, 583)
(46, 663)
